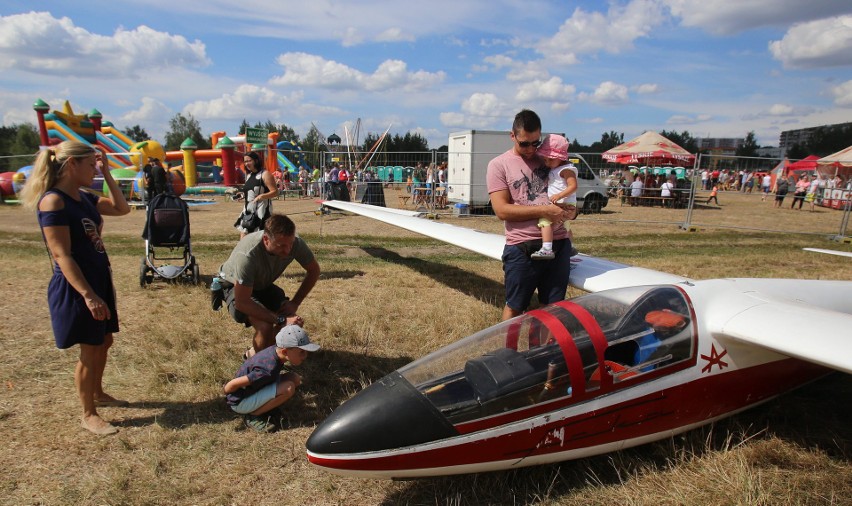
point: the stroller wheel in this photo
(143, 270)
(196, 275)
(146, 275)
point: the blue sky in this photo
(716, 68)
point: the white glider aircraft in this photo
(644, 356)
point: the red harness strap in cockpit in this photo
(566, 344)
(596, 335)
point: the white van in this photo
(591, 191)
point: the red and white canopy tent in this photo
(649, 148)
(836, 164)
(797, 169)
(807, 163)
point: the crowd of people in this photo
(806, 188)
(532, 188)
(336, 182)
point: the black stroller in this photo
(167, 226)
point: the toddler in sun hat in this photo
(259, 386)
(561, 191)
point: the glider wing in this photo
(587, 273)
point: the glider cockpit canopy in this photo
(565, 352)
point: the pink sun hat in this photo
(553, 146)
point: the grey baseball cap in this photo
(294, 336)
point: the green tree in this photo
(749, 146)
(312, 141)
(683, 139)
(369, 140)
(408, 143)
(242, 129)
(285, 133)
(313, 147)
(608, 141)
(18, 145)
(575, 147)
(7, 138)
(137, 133)
(181, 127)
(797, 152)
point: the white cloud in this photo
(17, 108)
(527, 71)
(246, 101)
(499, 61)
(517, 70)
(593, 32)
(774, 112)
(781, 110)
(732, 16)
(646, 89)
(816, 44)
(495, 42)
(350, 23)
(453, 40)
(452, 119)
(479, 110)
(306, 70)
(39, 43)
(352, 37)
(483, 104)
(258, 103)
(395, 35)
(607, 93)
(843, 94)
(150, 110)
(552, 90)
(682, 119)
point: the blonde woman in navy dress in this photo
(80, 295)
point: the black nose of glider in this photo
(388, 414)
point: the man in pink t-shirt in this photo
(517, 184)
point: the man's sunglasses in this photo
(526, 144)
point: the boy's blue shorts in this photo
(257, 399)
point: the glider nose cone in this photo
(388, 414)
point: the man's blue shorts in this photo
(523, 276)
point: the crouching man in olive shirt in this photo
(249, 276)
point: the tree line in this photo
(19, 140)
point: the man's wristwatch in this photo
(281, 320)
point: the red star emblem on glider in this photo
(715, 358)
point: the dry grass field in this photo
(385, 297)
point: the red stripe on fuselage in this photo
(658, 413)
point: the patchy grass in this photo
(385, 298)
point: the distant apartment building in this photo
(790, 138)
(770, 152)
(720, 145)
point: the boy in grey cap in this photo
(259, 386)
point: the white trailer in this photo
(469, 152)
